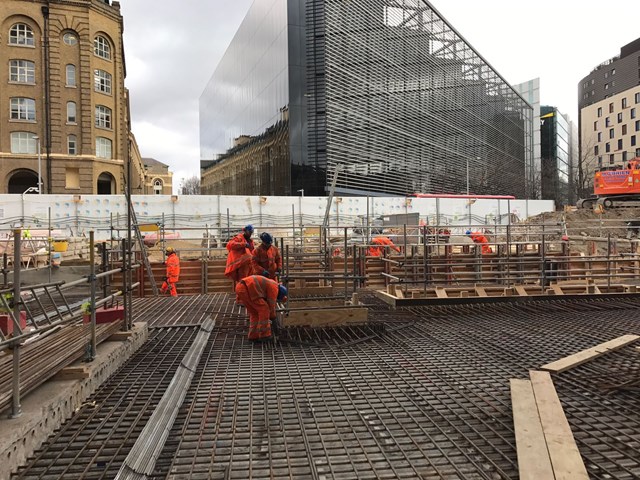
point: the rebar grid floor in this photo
(182, 310)
(425, 398)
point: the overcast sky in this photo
(173, 46)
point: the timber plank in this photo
(520, 290)
(533, 457)
(441, 292)
(481, 292)
(310, 291)
(584, 356)
(564, 454)
(72, 373)
(325, 318)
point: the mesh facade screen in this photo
(403, 103)
(387, 89)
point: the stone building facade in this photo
(158, 180)
(63, 103)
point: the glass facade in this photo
(387, 90)
(555, 136)
(250, 87)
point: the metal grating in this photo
(428, 397)
(402, 101)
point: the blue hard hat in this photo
(248, 228)
(282, 292)
(266, 238)
(468, 232)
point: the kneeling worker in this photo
(259, 295)
(378, 245)
(173, 272)
(479, 239)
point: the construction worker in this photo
(479, 239)
(259, 295)
(266, 259)
(173, 272)
(240, 249)
(378, 246)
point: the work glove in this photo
(164, 279)
(265, 273)
(248, 245)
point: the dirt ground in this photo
(587, 223)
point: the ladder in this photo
(143, 250)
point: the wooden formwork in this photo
(403, 295)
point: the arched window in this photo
(71, 75)
(21, 34)
(70, 39)
(103, 147)
(157, 186)
(101, 47)
(103, 116)
(102, 81)
(71, 112)
(22, 71)
(23, 109)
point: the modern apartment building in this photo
(609, 104)
(63, 103)
(387, 94)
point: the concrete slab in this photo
(47, 407)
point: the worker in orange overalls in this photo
(259, 295)
(479, 239)
(379, 244)
(173, 272)
(240, 249)
(266, 259)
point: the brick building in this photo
(63, 103)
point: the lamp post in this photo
(37, 138)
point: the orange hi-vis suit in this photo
(258, 294)
(480, 239)
(239, 258)
(173, 274)
(266, 257)
(381, 242)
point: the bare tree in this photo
(587, 164)
(190, 186)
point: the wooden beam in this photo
(72, 373)
(589, 354)
(533, 457)
(520, 290)
(481, 292)
(557, 289)
(441, 293)
(310, 291)
(564, 454)
(120, 336)
(325, 318)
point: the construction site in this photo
(439, 359)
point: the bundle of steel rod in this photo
(45, 357)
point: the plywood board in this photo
(533, 457)
(589, 354)
(325, 318)
(311, 292)
(564, 454)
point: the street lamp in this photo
(37, 138)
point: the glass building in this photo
(556, 153)
(385, 95)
